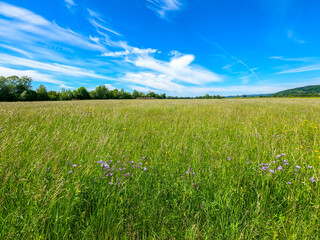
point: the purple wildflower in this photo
(118, 183)
(74, 165)
(123, 156)
(271, 171)
(145, 169)
(131, 161)
(298, 167)
(285, 161)
(70, 171)
(118, 162)
(289, 182)
(273, 162)
(264, 168)
(229, 158)
(110, 183)
(296, 170)
(286, 164)
(68, 163)
(120, 169)
(283, 154)
(279, 168)
(312, 179)
(278, 156)
(48, 169)
(310, 167)
(140, 163)
(193, 173)
(143, 158)
(111, 174)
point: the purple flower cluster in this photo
(266, 167)
(116, 172)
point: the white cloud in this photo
(36, 76)
(133, 50)
(177, 69)
(161, 7)
(24, 26)
(305, 59)
(315, 67)
(55, 67)
(70, 3)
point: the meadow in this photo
(160, 169)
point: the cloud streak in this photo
(162, 7)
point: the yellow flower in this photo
(124, 128)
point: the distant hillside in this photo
(300, 92)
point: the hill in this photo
(313, 90)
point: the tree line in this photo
(16, 88)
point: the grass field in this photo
(160, 169)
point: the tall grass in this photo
(195, 169)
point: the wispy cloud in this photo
(54, 67)
(309, 68)
(161, 7)
(23, 25)
(98, 23)
(36, 76)
(305, 59)
(70, 3)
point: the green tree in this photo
(81, 93)
(42, 93)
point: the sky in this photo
(177, 47)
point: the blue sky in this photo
(178, 47)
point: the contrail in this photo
(230, 55)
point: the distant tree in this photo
(102, 92)
(6, 90)
(81, 93)
(66, 94)
(28, 95)
(244, 96)
(42, 93)
(53, 95)
(135, 94)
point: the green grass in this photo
(223, 200)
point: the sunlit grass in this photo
(196, 172)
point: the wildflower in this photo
(283, 154)
(289, 182)
(229, 158)
(296, 170)
(123, 156)
(48, 169)
(131, 161)
(312, 179)
(118, 162)
(193, 173)
(271, 171)
(111, 174)
(286, 164)
(118, 183)
(140, 163)
(278, 156)
(261, 164)
(145, 169)
(279, 168)
(120, 169)
(273, 162)
(74, 165)
(110, 183)
(285, 161)
(143, 158)
(70, 172)
(185, 148)
(310, 167)
(68, 163)
(264, 168)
